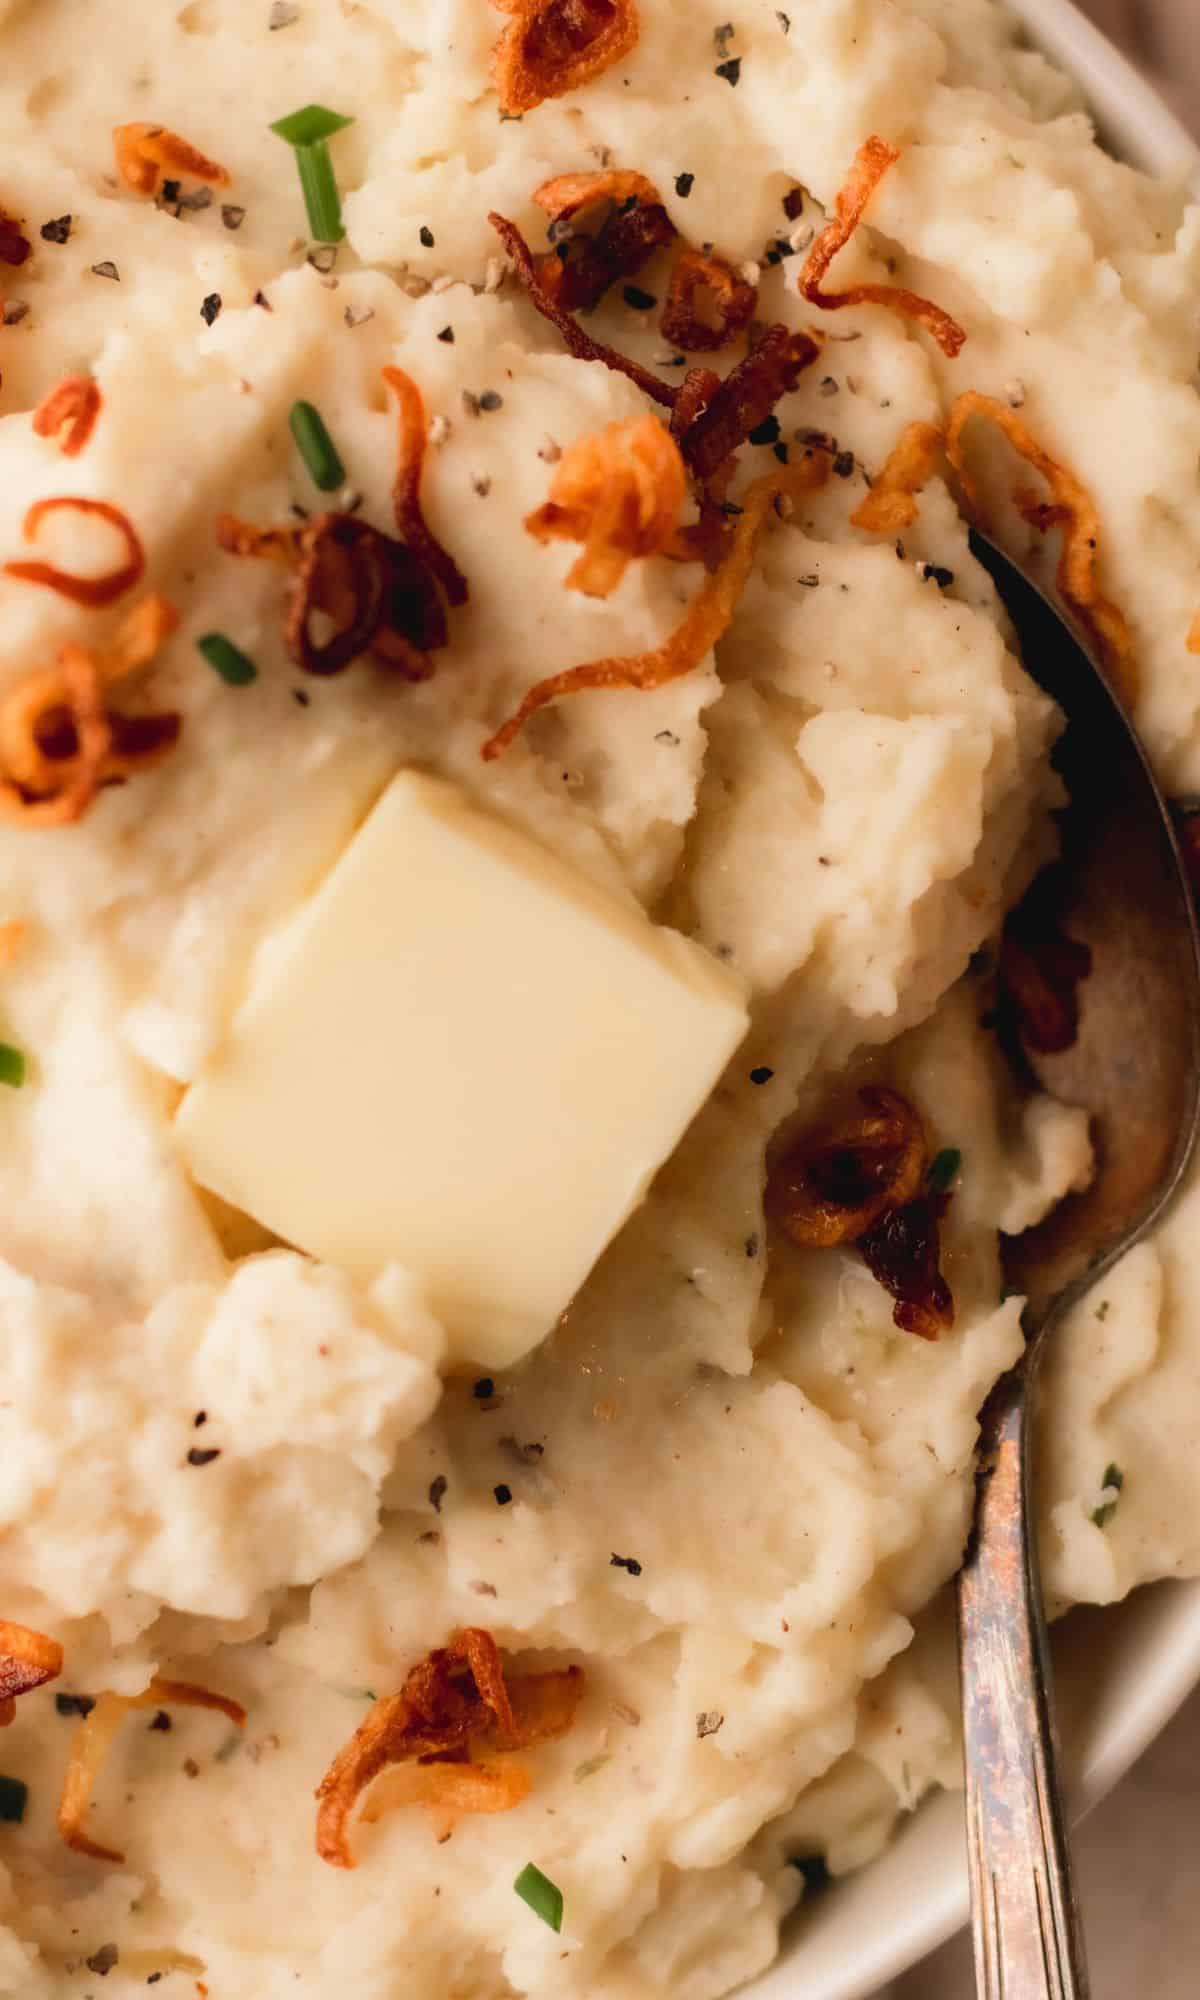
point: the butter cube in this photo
(464, 1056)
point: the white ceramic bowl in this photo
(1123, 1671)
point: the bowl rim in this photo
(1133, 1664)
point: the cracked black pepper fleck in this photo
(57, 230)
(762, 1074)
(503, 1495)
(730, 70)
(765, 433)
(74, 1704)
(211, 307)
(426, 235)
(447, 334)
(684, 183)
(198, 1457)
(437, 1491)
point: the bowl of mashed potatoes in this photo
(513, 796)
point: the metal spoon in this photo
(1135, 1066)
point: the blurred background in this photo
(1136, 1857)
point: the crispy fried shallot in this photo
(710, 423)
(891, 504)
(60, 742)
(575, 340)
(145, 153)
(68, 412)
(14, 244)
(861, 1180)
(619, 491)
(567, 195)
(375, 595)
(28, 1660)
(94, 1739)
(833, 1186)
(708, 303)
(93, 591)
(449, 1789)
(703, 623)
(871, 163)
(454, 1701)
(411, 525)
(1071, 508)
(903, 1254)
(1042, 968)
(580, 270)
(552, 46)
(693, 395)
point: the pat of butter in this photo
(464, 1056)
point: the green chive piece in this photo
(1114, 1477)
(306, 131)
(543, 1896)
(12, 1066)
(316, 447)
(944, 1168)
(227, 659)
(311, 123)
(318, 185)
(13, 1798)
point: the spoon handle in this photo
(1028, 1944)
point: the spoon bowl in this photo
(1133, 1062)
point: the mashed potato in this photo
(727, 1485)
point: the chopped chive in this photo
(318, 185)
(14, 1795)
(316, 447)
(543, 1896)
(1114, 1477)
(227, 659)
(944, 1168)
(307, 131)
(12, 1066)
(308, 125)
